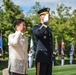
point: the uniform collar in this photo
(40, 24)
(22, 34)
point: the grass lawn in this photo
(64, 70)
(58, 70)
(0, 73)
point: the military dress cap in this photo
(43, 11)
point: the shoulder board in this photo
(35, 25)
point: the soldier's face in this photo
(45, 18)
(42, 17)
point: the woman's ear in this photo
(16, 27)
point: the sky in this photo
(26, 5)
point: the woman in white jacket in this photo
(18, 45)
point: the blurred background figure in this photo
(71, 52)
(30, 59)
(62, 59)
(62, 52)
(54, 59)
(32, 50)
(1, 54)
(56, 52)
(71, 57)
(1, 47)
(1, 51)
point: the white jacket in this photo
(18, 57)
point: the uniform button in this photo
(50, 46)
(41, 49)
(49, 34)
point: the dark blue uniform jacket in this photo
(43, 38)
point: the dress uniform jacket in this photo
(18, 57)
(43, 38)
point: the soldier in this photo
(43, 36)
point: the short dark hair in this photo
(18, 21)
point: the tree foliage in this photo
(63, 24)
(10, 13)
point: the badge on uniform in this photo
(44, 37)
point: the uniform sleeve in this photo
(50, 30)
(39, 30)
(14, 39)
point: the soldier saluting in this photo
(43, 36)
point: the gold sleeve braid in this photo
(38, 68)
(44, 25)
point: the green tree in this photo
(8, 15)
(63, 26)
(33, 15)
